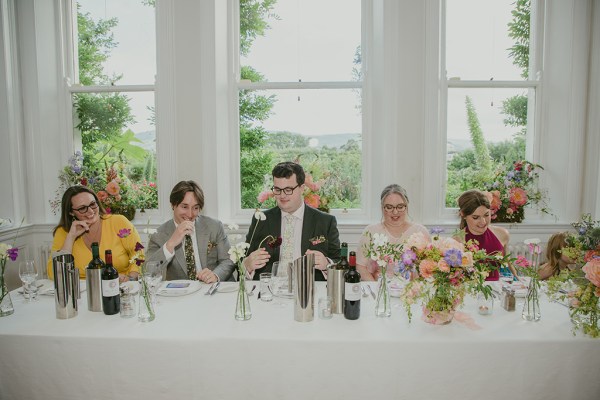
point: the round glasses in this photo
(391, 208)
(84, 209)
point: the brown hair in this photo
(179, 191)
(470, 201)
(553, 250)
(66, 206)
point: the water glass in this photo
(325, 311)
(128, 308)
(28, 274)
(265, 286)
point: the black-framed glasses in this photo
(287, 190)
(84, 209)
(397, 207)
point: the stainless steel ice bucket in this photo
(304, 288)
(335, 288)
(66, 286)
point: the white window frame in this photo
(72, 87)
(345, 215)
(437, 94)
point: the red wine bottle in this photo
(352, 289)
(111, 299)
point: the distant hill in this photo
(337, 140)
(148, 139)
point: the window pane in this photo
(309, 40)
(117, 130)
(478, 45)
(127, 53)
(321, 129)
(501, 116)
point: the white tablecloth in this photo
(195, 349)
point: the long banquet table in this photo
(195, 349)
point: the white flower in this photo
(233, 227)
(532, 241)
(259, 215)
(237, 252)
(379, 239)
(3, 249)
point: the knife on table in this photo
(214, 288)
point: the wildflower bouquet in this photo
(117, 194)
(442, 267)
(581, 288)
(385, 254)
(514, 188)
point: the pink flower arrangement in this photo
(514, 188)
(592, 271)
(312, 193)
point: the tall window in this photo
(113, 73)
(300, 97)
(491, 81)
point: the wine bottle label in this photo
(110, 287)
(352, 291)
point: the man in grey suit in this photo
(310, 230)
(193, 246)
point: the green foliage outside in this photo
(261, 150)
(472, 168)
(103, 117)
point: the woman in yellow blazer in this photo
(84, 221)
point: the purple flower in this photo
(510, 175)
(453, 257)
(13, 253)
(437, 230)
(138, 246)
(495, 184)
(409, 257)
(123, 233)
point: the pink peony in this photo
(517, 196)
(417, 240)
(592, 271)
(467, 259)
(264, 196)
(426, 268)
(102, 196)
(446, 243)
(113, 188)
(443, 265)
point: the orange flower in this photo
(313, 200)
(517, 196)
(443, 265)
(426, 268)
(113, 188)
(102, 196)
(496, 203)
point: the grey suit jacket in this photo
(214, 256)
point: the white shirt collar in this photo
(299, 213)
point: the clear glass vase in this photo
(531, 308)
(485, 306)
(382, 303)
(242, 307)
(6, 305)
(145, 304)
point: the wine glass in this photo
(28, 274)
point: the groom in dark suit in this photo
(193, 246)
(303, 229)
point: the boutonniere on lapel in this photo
(211, 245)
(317, 240)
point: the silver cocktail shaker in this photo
(304, 288)
(66, 286)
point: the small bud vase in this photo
(145, 304)
(382, 303)
(531, 308)
(6, 305)
(242, 307)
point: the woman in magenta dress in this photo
(475, 220)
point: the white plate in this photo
(46, 287)
(134, 286)
(227, 287)
(191, 287)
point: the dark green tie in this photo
(189, 258)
